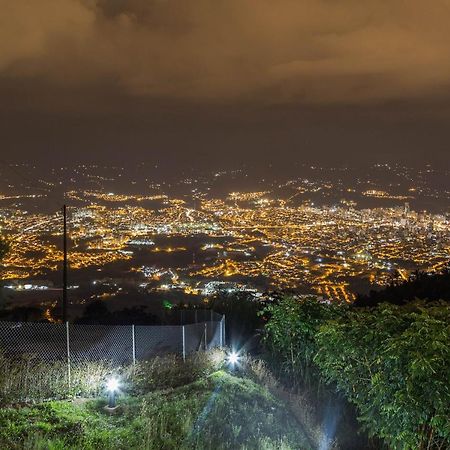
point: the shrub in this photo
(291, 330)
(170, 371)
(393, 364)
(30, 380)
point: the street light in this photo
(233, 358)
(112, 386)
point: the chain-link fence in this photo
(120, 344)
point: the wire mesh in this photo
(158, 340)
(101, 342)
(120, 344)
(194, 337)
(45, 341)
(214, 331)
(190, 316)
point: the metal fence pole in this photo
(68, 354)
(134, 344)
(223, 329)
(184, 344)
(206, 335)
(221, 333)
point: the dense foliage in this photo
(391, 362)
(291, 330)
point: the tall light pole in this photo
(64, 292)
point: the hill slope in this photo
(220, 411)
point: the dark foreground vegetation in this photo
(373, 375)
(420, 285)
(165, 404)
(391, 362)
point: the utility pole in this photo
(64, 292)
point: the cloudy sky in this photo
(225, 81)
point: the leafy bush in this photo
(393, 363)
(291, 330)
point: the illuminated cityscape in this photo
(225, 225)
(196, 243)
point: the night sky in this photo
(213, 83)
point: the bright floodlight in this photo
(233, 358)
(112, 385)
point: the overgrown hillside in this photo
(161, 407)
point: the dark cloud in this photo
(332, 79)
(298, 50)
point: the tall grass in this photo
(171, 371)
(29, 380)
(165, 403)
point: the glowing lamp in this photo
(112, 386)
(233, 358)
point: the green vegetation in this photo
(391, 362)
(389, 365)
(290, 335)
(30, 379)
(165, 404)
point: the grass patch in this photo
(216, 411)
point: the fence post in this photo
(206, 335)
(212, 328)
(184, 344)
(223, 329)
(134, 344)
(221, 333)
(68, 354)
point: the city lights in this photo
(228, 243)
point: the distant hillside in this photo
(422, 285)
